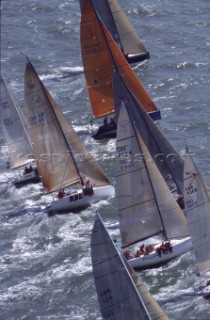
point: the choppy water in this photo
(45, 266)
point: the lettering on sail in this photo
(191, 190)
(125, 158)
(5, 104)
(37, 119)
(108, 300)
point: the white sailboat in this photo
(121, 293)
(121, 30)
(198, 215)
(146, 206)
(19, 147)
(62, 159)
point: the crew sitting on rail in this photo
(88, 189)
(144, 250)
(28, 169)
(181, 202)
(61, 193)
(127, 254)
(164, 248)
(112, 120)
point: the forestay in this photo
(121, 294)
(145, 204)
(198, 212)
(20, 151)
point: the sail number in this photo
(106, 297)
(125, 157)
(5, 105)
(190, 189)
(37, 119)
(190, 203)
(8, 122)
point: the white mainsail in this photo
(121, 292)
(197, 203)
(50, 136)
(145, 204)
(120, 28)
(168, 161)
(20, 151)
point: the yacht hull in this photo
(26, 178)
(80, 200)
(153, 260)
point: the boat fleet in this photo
(158, 192)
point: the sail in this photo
(120, 292)
(86, 163)
(54, 160)
(100, 54)
(20, 151)
(168, 161)
(198, 213)
(145, 204)
(120, 28)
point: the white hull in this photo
(26, 178)
(78, 201)
(152, 259)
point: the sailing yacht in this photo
(62, 159)
(198, 216)
(100, 54)
(19, 147)
(121, 293)
(121, 30)
(146, 206)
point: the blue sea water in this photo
(45, 266)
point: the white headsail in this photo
(16, 137)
